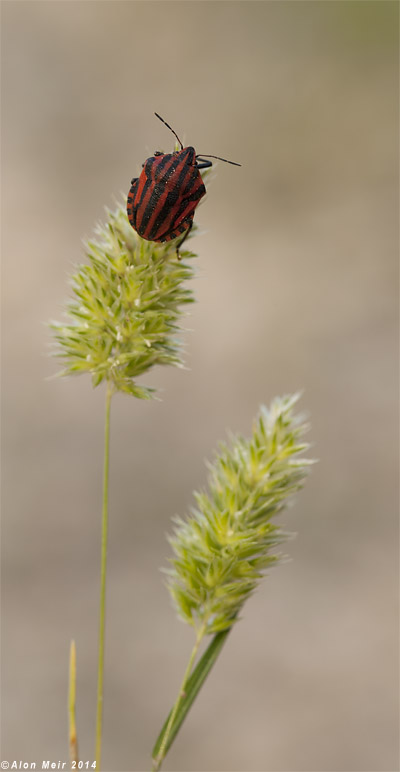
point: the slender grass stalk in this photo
(192, 688)
(104, 535)
(181, 695)
(73, 741)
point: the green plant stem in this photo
(104, 533)
(181, 694)
(73, 741)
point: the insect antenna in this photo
(170, 128)
(198, 155)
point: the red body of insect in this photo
(162, 201)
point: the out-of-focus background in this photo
(296, 290)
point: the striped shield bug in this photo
(162, 201)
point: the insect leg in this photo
(184, 239)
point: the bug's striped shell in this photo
(161, 203)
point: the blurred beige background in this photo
(296, 289)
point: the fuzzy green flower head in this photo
(126, 304)
(222, 550)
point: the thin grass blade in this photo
(194, 685)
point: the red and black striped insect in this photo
(162, 201)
